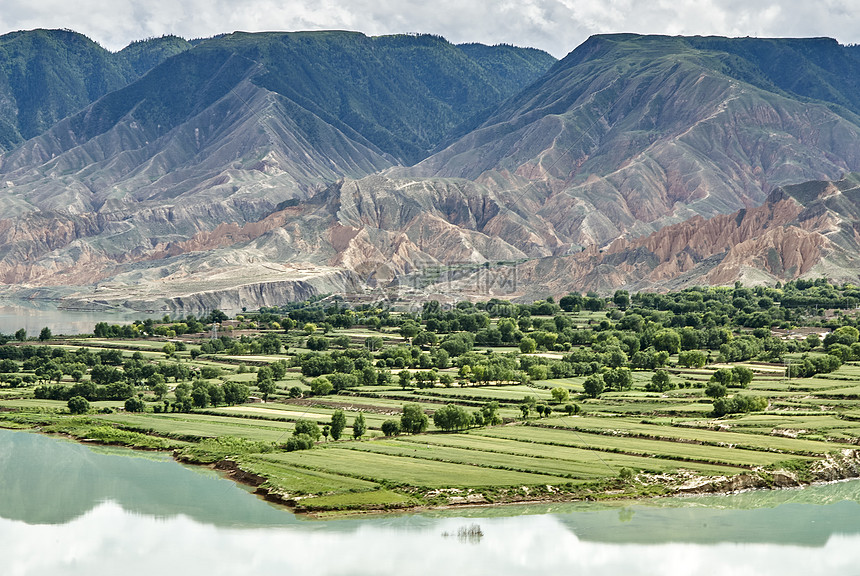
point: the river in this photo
(67, 509)
(32, 317)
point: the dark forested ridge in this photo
(46, 75)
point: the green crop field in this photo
(410, 471)
(584, 463)
(201, 426)
(637, 446)
(299, 481)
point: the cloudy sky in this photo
(557, 26)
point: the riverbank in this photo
(841, 466)
(83, 498)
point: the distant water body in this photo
(15, 315)
(71, 509)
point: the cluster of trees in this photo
(108, 375)
(739, 403)
(307, 432)
(452, 418)
(530, 404)
(266, 344)
(639, 332)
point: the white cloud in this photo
(554, 25)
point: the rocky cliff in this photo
(807, 230)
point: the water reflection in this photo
(52, 481)
(82, 511)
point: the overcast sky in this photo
(557, 26)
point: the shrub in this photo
(739, 404)
(307, 428)
(78, 405)
(299, 442)
(134, 404)
(391, 427)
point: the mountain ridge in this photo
(310, 153)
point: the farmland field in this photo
(368, 408)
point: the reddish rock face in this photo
(780, 240)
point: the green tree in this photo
(309, 428)
(560, 394)
(8, 366)
(266, 387)
(391, 427)
(593, 385)
(846, 335)
(404, 377)
(235, 392)
(160, 389)
(45, 334)
(490, 413)
(338, 424)
(660, 382)
(78, 405)
(741, 376)
(621, 298)
(667, 340)
(182, 392)
(20, 335)
(409, 329)
(692, 359)
(723, 376)
(359, 426)
(135, 404)
(279, 369)
(413, 420)
(200, 396)
(321, 386)
(715, 390)
(528, 345)
(452, 417)
(618, 379)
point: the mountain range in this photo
(252, 169)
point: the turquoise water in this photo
(67, 508)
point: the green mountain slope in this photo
(47, 75)
(144, 55)
(817, 69)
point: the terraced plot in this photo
(410, 471)
(677, 451)
(302, 480)
(202, 426)
(586, 464)
(621, 427)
